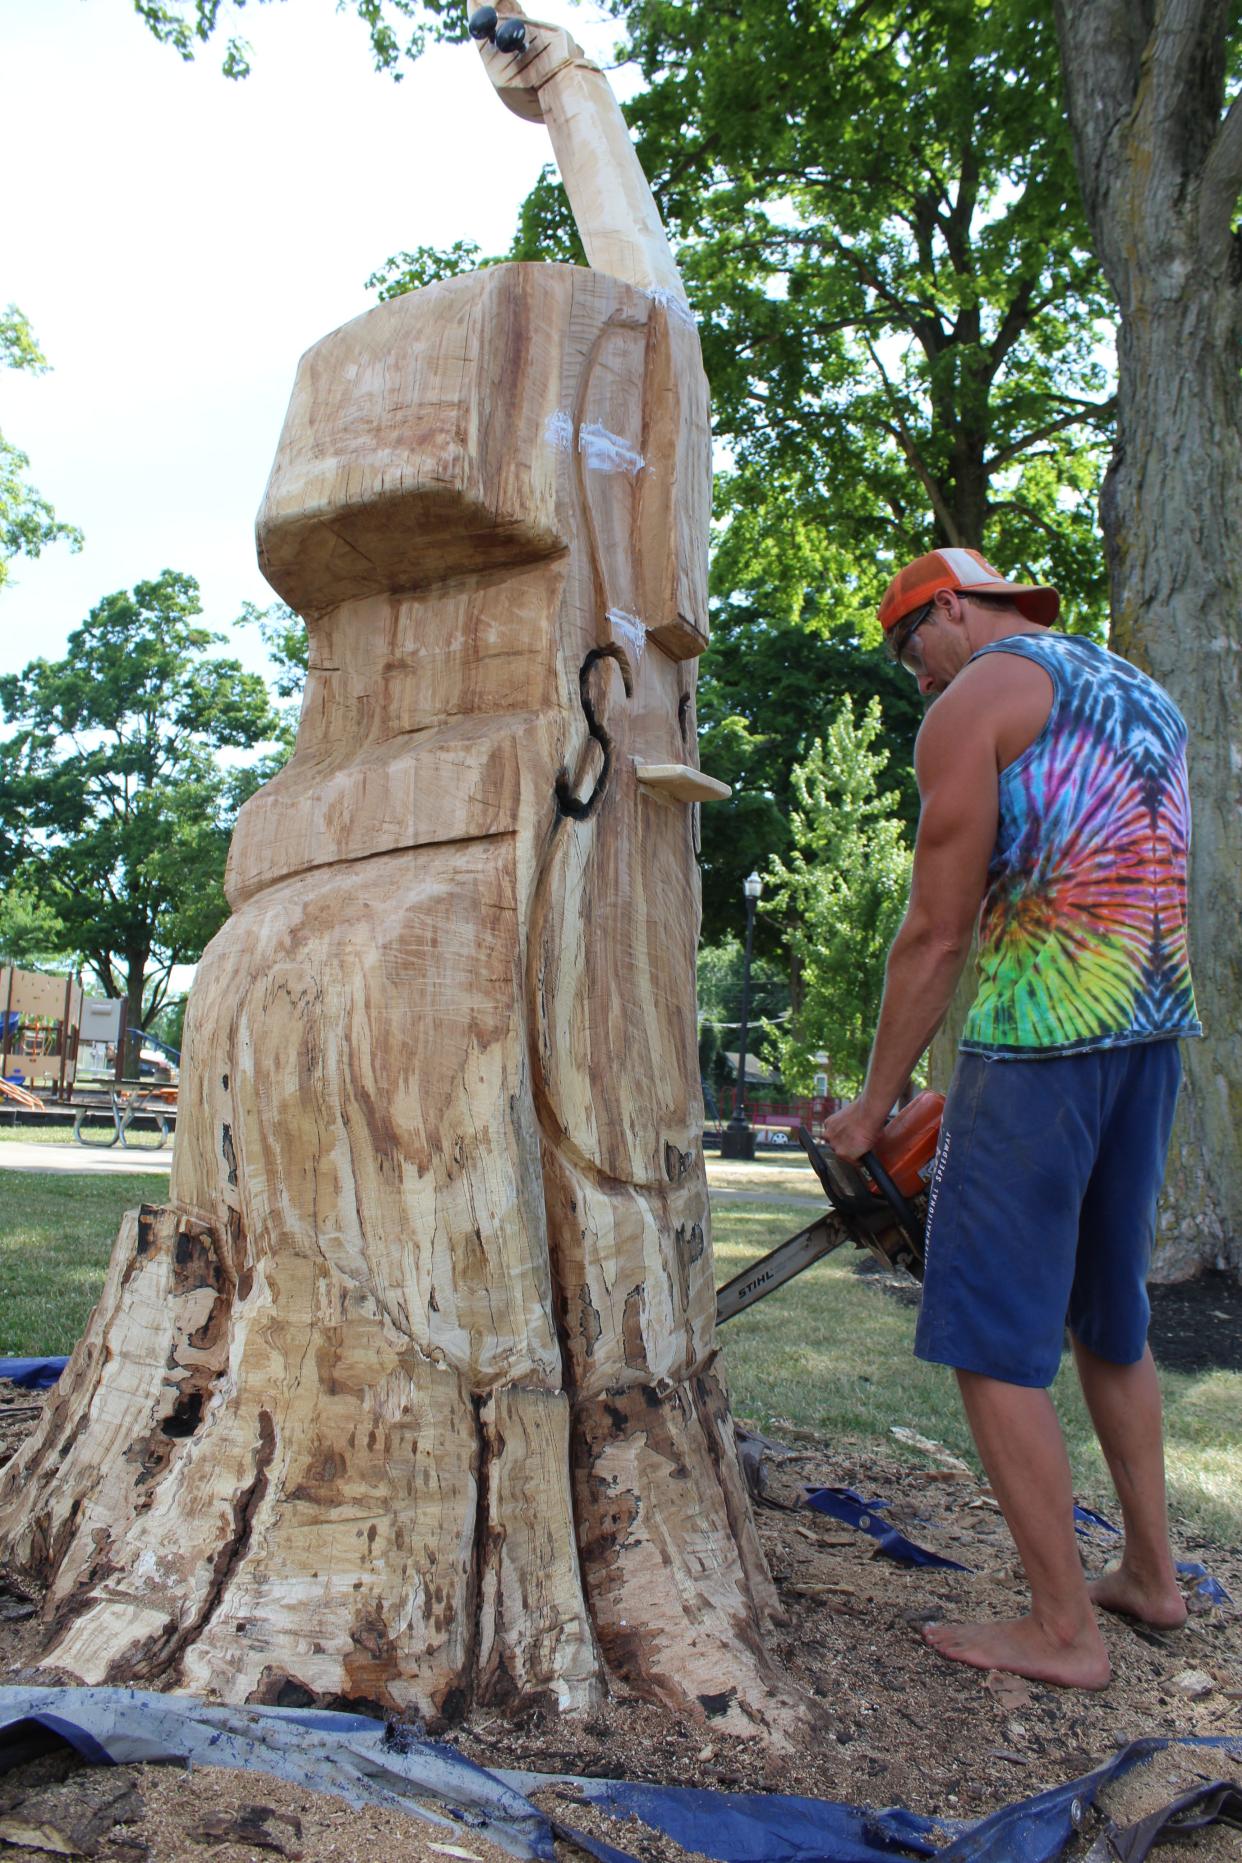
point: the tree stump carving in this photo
(407, 1398)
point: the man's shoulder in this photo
(999, 702)
(989, 680)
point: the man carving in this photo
(1055, 811)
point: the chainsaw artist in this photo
(1054, 812)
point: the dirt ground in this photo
(898, 1725)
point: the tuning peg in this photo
(510, 35)
(482, 23)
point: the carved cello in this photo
(408, 1396)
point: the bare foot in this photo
(1023, 1647)
(1161, 1606)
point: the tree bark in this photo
(135, 982)
(1160, 168)
(409, 1396)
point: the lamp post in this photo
(738, 1138)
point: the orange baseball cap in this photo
(970, 574)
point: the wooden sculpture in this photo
(408, 1395)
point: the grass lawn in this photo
(56, 1233)
(99, 1126)
(833, 1353)
(830, 1352)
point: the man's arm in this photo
(955, 760)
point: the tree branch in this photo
(1082, 413)
(1032, 517)
(1222, 182)
(1017, 318)
(909, 447)
(1175, 50)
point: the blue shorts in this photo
(1042, 1209)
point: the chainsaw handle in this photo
(842, 1183)
(896, 1201)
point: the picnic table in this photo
(125, 1104)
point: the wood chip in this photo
(455, 1850)
(913, 1440)
(1003, 1753)
(251, 1824)
(71, 1819)
(1008, 1691)
(1194, 1682)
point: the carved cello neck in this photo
(549, 80)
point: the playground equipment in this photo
(38, 1033)
(47, 1027)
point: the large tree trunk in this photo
(409, 1395)
(1160, 174)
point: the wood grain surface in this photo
(408, 1398)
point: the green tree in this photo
(28, 523)
(116, 809)
(31, 934)
(765, 690)
(398, 30)
(720, 971)
(840, 894)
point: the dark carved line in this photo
(566, 801)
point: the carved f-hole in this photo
(567, 802)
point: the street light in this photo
(738, 1140)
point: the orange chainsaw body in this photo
(907, 1146)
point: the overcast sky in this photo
(177, 240)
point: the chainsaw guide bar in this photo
(880, 1205)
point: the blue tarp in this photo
(367, 1763)
(1208, 1587)
(757, 1827)
(32, 1374)
(752, 1828)
(843, 1504)
(358, 1759)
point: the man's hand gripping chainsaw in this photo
(880, 1206)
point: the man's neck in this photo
(985, 626)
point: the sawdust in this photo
(185, 1817)
(900, 1726)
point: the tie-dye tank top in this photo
(1082, 933)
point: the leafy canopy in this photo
(31, 934)
(116, 810)
(397, 29)
(767, 690)
(28, 523)
(877, 217)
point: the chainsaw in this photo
(879, 1205)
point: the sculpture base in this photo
(737, 1142)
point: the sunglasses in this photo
(901, 635)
